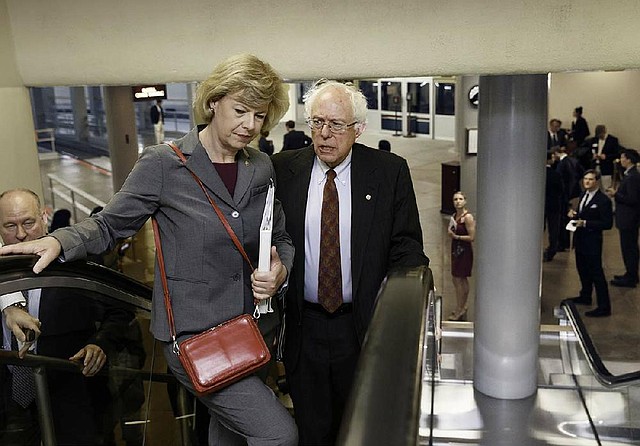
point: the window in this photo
(445, 98)
(391, 96)
(419, 99)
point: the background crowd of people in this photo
(588, 180)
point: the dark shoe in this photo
(580, 300)
(547, 257)
(626, 283)
(598, 312)
(626, 278)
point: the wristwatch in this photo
(21, 305)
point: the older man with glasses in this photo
(352, 215)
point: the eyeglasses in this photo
(334, 126)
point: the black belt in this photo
(317, 308)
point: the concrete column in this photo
(97, 109)
(38, 105)
(79, 107)
(191, 95)
(121, 132)
(466, 118)
(511, 179)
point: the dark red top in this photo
(229, 174)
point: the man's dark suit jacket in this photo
(295, 139)
(580, 130)
(70, 320)
(385, 229)
(628, 201)
(561, 136)
(553, 191)
(611, 150)
(599, 217)
(155, 114)
(571, 171)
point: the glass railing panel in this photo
(609, 388)
(131, 401)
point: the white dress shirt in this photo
(34, 310)
(312, 227)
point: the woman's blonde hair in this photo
(259, 85)
(459, 192)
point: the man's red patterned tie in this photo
(330, 273)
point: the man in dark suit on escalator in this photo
(69, 325)
(352, 215)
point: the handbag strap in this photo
(221, 216)
(165, 285)
(156, 238)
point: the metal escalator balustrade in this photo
(598, 367)
(121, 394)
(384, 406)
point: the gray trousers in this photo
(247, 408)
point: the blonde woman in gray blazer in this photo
(209, 281)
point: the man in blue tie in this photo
(65, 322)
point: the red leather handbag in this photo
(227, 352)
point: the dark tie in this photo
(583, 203)
(23, 386)
(330, 272)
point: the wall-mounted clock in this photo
(474, 93)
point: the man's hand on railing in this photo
(94, 359)
(48, 248)
(19, 321)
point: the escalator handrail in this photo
(600, 371)
(16, 274)
(10, 357)
(384, 404)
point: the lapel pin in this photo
(368, 197)
(246, 162)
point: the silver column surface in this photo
(121, 132)
(511, 179)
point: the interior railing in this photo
(384, 406)
(597, 366)
(80, 201)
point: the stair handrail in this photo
(597, 366)
(384, 405)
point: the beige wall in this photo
(121, 42)
(9, 76)
(18, 152)
(609, 98)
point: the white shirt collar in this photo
(339, 169)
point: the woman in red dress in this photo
(462, 230)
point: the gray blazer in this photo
(209, 281)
